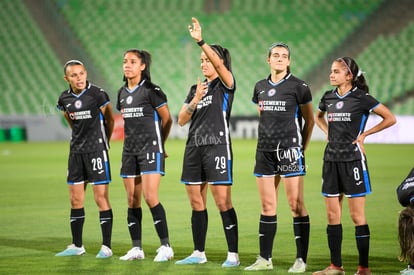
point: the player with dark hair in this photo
(405, 195)
(88, 111)
(345, 170)
(147, 118)
(283, 101)
(208, 157)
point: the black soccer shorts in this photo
(142, 163)
(212, 164)
(92, 167)
(350, 178)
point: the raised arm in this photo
(224, 74)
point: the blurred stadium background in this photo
(38, 37)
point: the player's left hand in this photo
(360, 142)
(195, 30)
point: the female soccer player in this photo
(208, 155)
(147, 124)
(283, 101)
(88, 111)
(405, 195)
(345, 171)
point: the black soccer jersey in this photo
(347, 116)
(280, 122)
(210, 121)
(89, 129)
(405, 191)
(142, 125)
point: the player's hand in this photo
(360, 142)
(201, 89)
(195, 30)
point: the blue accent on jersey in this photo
(225, 101)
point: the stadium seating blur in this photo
(31, 78)
(31, 73)
(388, 68)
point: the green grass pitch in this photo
(34, 211)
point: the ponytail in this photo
(224, 54)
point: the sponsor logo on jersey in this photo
(205, 101)
(272, 105)
(339, 117)
(80, 115)
(132, 112)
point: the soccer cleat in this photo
(232, 260)
(104, 253)
(164, 253)
(298, 266)
(330, 270)
(363, 271)
(407, 271)
(196, 257)
(135, 253)
(72, 250)
(261, 264)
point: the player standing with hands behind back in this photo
(147, 125)
(208, 154)
(89, 112)
(345, 170)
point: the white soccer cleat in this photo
(164, 254)
(135, 253)
(298, 266)
(261, 264)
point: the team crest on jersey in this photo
(339, 105)
(271, 92)
(78, 104)
(129, 100)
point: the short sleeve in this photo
(322, 105)
(190, 94)
(102, 98)
(304, 94)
